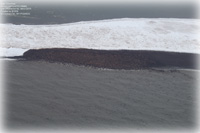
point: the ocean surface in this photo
(58, 13)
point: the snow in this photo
(11, 52)
(160, 34)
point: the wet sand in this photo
(54, 95)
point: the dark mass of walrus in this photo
(114, 59)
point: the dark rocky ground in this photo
(114, 59)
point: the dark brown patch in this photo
(114, 59)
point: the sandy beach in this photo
(55, 95)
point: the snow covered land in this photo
(160, 34)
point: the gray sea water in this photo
(68, 13)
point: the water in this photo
(68, 13)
